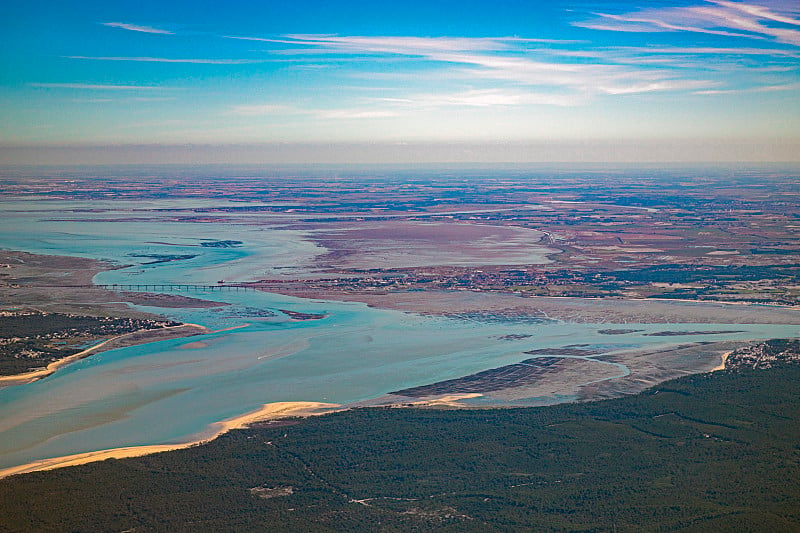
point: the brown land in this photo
(594, 310)
(59, 284)
(411, 243)
(580, 248)
(169, 300)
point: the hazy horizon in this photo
(405, 153)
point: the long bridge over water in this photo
(153, 287)
(188, 287)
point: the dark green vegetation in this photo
(30, 340)
(712, 452)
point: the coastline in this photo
(721, 366)
(269, 411)
(584, 308)
(134, 338)
(564, 308)
(64, 284)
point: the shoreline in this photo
(269, 411)
(149, 335)
(565, 308)
(721, 366)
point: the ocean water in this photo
(173, 390)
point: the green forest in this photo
(710, 452)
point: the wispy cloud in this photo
(403, 45)
(262, 110)
(136, 27)
(699, 50)
(98, 87)
(171, 60)
(762, 89)
(483, 98)
(344, 114)
(777, 21)
(124, 100)
(694, 61)
(657, 86)
(495, 60)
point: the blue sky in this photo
(717, 72)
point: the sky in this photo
(289, 81)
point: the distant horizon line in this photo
(648, 151)
(311, 169)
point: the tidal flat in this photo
(261, 348)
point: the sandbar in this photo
(433, 400)
(448, 400)
(240, 326)
(193, 345)
(721, 366)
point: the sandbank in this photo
(722, 363)
(240, 326)
(193, 345)
(268, 411)
(449, 400)
(441, 400)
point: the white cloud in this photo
(717, 17)
(762, 89)
(95, 86)
(483, 98)
(263, 109)
(669, 85)
(514, 72)
(506, 59)
(699, 50)
(171, 60)
(651, 23)
(124, 100)
(284, 110)
(343, 114)
(402, 45)
(136, 27)
(759, 11)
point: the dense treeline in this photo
(707, 452)
(691, 274)
(34, 324)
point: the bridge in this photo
(190, 287)
(151, 287)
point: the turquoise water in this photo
(167, 392)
